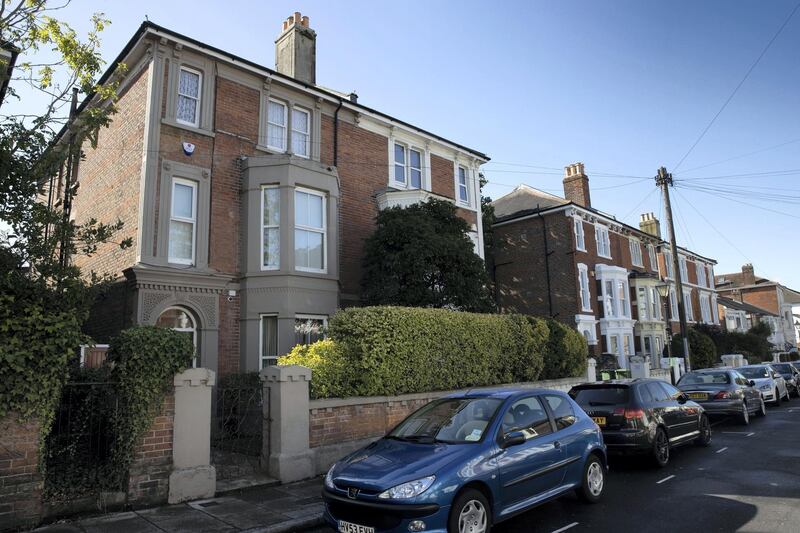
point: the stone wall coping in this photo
(195, 377)
(285, 373)
(328, 403)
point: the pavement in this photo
(748, 480)
(276, 509)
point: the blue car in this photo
(467, 461)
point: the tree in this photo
(420, 256)
(703, 353)
(37, 277)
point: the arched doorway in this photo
(182, 320)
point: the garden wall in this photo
(20, 480)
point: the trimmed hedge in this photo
(376, 351)
(702, 352)
(565, 353)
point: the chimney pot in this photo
(353, 97)
(304, 21)
(297, 17)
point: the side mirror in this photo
(683, 399)
(752, 383)
(514, 438)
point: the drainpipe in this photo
(336, 133)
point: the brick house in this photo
(248, 193)
(563, 258)
(773, 299)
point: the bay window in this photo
(407, 166)
(182, 222)
(641, 303)
(655, 304)
(270, 228)
(309, 328)
(269, 340)
(608, 299)
(310, 231)
(622, 291)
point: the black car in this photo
(792, 376)
(724, 391)
(643, 416)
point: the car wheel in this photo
(744, 418)
(705, 431)
(777, 400)
(594, 480)
(762, 410)
(786, 397)
(661, 448)
(470, 513)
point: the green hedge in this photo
(566, 352)
(376, 351)
(702, 352)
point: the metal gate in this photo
(237, 428)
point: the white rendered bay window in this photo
(407, 167)
(188, 101)
(182, 222)
(310, 230)
(270, 228)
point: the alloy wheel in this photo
(472, 518)
(763, 408)
(745, 414)
(662, 448)
(705, 430)
(595, 478)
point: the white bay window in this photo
(310, 230)
(270, 228)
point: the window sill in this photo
(640, 266)
(175, 124)
(604, 256)
(311, 270)
(580, 249)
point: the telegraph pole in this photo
(664, 180)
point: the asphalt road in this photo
(748, 480)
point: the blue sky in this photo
(624, 86)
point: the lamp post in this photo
(663, 291)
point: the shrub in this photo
(330, 375)
(565, 353)
(395, 350)
(702, 352)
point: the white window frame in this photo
(623, 299)
(655, 303)
(465, 186)
(651, 251)
(673, 304)
(602, 241)
(584, 287)
(705, 308)
(198, 98)
(311, 229)
(627, 344)
(710, 276)
(580, 235)
(684, 266)
(261, 357)
(264, 188)
(193, 220)
(636, 252)
(714, 308)
(643, 303)
(286, 125)
(669, 270)
(609, 299)
(700, 271)
(404, 164)
(410, 168)
(323, 318)
(307, 133)
(687, 304)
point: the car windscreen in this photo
(783, 368)
(597, 396)
(754, 372)
(705, 378)
(449, 420)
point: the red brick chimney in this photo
(748, 274)
(576, 185)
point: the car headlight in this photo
(408, 490)
(766, 387)
(329, 477)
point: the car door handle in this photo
(557, 444)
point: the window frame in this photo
(669, 267)
(687, 304)
(683, 264)
(286, 125)
(673, 303)
(651, 251)
(700, 272)
(584, 293)
(642, 301)
(655, 303)
(636, 252)
(304, 316)
(261, 356)
(501, 434)
(463, 171)
(602, 231)
(194, 330)
(705, 308)
(323, 231)
(307, 134)
(193, 221)
(198, 98)
(580, 235)
(264, 188)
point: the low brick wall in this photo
(148, 480)
(20, 480)
(338, 426)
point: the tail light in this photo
(723, 395)
(634, 414)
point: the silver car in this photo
(723, 391)
(769, 383)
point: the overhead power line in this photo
(736, 89)
(748, 154)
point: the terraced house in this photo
(561, 257)
(248, 192)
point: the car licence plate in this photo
(698, 396)
(599, 420)
(347, 527)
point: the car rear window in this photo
(596, 396)
(705, 378)
(783, 368)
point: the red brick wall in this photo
(228, 335)
(20, 480)
(109, 179)
(354, 422)
(442, 178)
(148, 480)
(765, 298)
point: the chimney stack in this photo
(296, 50)
(748, 274)
(648, 223)
(576, 185)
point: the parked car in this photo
(723, 391)
(770, 384)
(466, 462)
(643, 416)
(791, 375)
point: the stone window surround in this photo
(616, 274)
(587, 323)
(291, 99)
(205, 67)
(472, 181)
(633, 244)
(199, 175)
(599, 231)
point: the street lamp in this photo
(663, 291)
